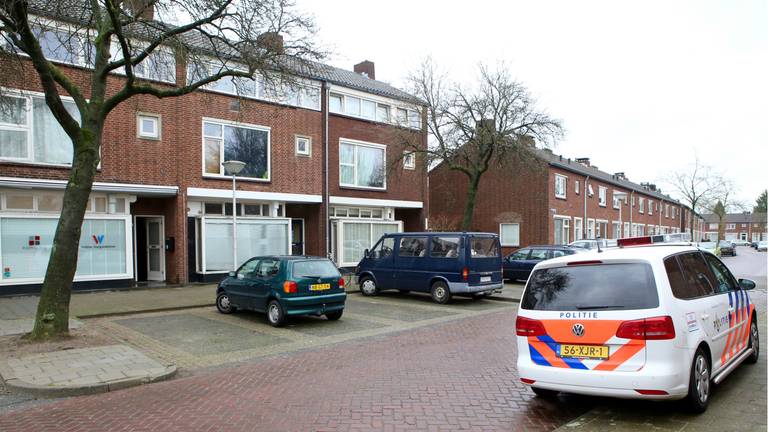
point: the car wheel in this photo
(335, 315)
(224, 304)
(544, 393)
(699, 384)
(368, 286)
(276, 314)
(754, 343)
(440, 292)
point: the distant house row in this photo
(737, 226)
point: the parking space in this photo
(202, 337)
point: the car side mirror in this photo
(365, 253)
(747, 284)
(232, 274)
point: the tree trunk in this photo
(469, 209)
(52, 318)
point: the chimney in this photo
(142, 9)
(366, 69)
(620, 175)
(271, 41)
(583, 161)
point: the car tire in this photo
(368, 286)
(441, 294)
(754, 342)
(699, 384)
(224, 304)
(335, 315)
(276, 314)
(545, 393)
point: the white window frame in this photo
(223, 123)
(576, 187)
(640, 205)
(578, 229)
(298, 138)
(590, 229)
(409, 160)
(616, 229)
(390, 105)
(564, 180)
(602, 196)
(565, 229)
(501, 238)
(650, 207)
(357, 143)
(158, 126)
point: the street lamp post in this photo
(233, 167)
(622, 196)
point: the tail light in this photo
(529, 327)
(465, 273)
(652, 392)
(656, 328)
(342, 282)
(290, 287)
(527, 380)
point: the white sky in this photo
(639, 86)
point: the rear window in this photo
(314, 268)
(592, 287)
(484, 247)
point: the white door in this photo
(155, 252)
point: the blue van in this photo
(440, 263)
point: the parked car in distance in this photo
(443, 264)
(762, 246)
(518, 264)
(740, 242)
(283, 286)
(709, 246)
(726, 248)
(590, 244)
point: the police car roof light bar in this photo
(640, 241)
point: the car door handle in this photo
(704, 316)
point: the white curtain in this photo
(52, 144)
(357, 238)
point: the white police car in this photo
(649, 321)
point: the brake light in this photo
(290, 287)
(342, 282)
(651, 392)
(656, 328)
(527, 380)
(589, 262)
(529, 327)
(465, 273)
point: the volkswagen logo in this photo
(578, 329)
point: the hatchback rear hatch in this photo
(315, 277)
(484, 261)
(590, 315)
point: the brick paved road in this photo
(452, 376)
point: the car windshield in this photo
(621, 286)
(314, 268)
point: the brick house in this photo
(737, 226)
(556, 200)
(317, 179)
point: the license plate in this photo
(584, 351)
(319, 287)
(485, 278)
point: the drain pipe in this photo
(326, 193)
(584, 220)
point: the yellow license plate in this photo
(319, 287)
(584, 351)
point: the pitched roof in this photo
(744, 217)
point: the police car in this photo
(645, 320)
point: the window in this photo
(577, 229)
(674, 212)
(616, 200)
(352, 106)
(303, 145)
(148, 126)
(616, 230)
(19, 202)
(538, 254)
(576, 187)
(696, 274)
(160, 65)
(590, 229)
(626, 229)
(713, 226)
(743, 225)
(522, 254)
(590, 191)
(413, 247)
(382, 113)
(602, 196)
(357, 212)
(640, 229)
(335, 103)
(409, 160)
(509, 234)
(248, 270)
(666, 210)
(249, 144)
(730, 226)
(30, 133)
(641, 204)
(484, 247)
(383, 249)
(445, 247)
(61, 45)
(650, 207)
(414, 119)
(562, 230)
(560, 185)
(369, 109)
(402, 116)
(362, 165)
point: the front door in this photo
(155, 252)
(297, 236)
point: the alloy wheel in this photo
(701, 375)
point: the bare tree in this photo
(723, 201)
(697, 186)
(219, 41)
(495, 121)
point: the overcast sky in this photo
(639, 85)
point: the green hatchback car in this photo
(282, 286)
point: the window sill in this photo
(246, 179)
(36, 164)
(147, 138)
(373, 189)
(562, 197)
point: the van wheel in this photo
(440, 292)
(544, 393)
(754, 343)
(276, 314)
(699, 385)
(368, 286)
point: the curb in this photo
(65, 391)
(139, 311)
(504, 299)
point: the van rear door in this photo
(484, 261)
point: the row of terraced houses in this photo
(324, 175)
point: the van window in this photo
(622, 286)
(383, 248)
(413, 246)
(483, 247)
(697, 273)
(445, 247)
